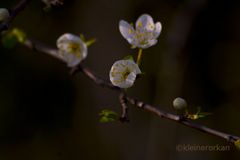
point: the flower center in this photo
(74, 47)
(143, 36)
(126, 73)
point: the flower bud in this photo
(179, 103)
(4, 14)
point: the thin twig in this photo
(98, 80)
(13, 13)
(181, 120)
(39, 47)
(123, 102)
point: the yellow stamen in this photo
(140, 24)
(126, 73)
(73, 47)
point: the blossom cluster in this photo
(124, 72)
(73, 50)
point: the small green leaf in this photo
(237, 144)
(90, 42)
(128, 57)
(133, 47)
(192, 116)
(9, 41)
(20, 35)
(82, 37)
(12, 37)
(108, 116)
(197, 115)
(104, 120)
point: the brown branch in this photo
(181, 120)
(13, 13)
(124, 98)
(94, 77)
(123, 102)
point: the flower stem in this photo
(139, 56)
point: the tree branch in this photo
(123, 102)
(124, 98)
(13, 13)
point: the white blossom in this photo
(123, 73)
(72, 49)
(145, 33)
(4, 14)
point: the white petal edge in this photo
(67, 37)
(70, 58)
(158, 29)
(130, 80)
(150, 43)
(122, 64)
(4, 14)
(126, 30)
(145, 21)
(134, 67)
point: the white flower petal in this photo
(72, 49)
(126, 30)
(130, 80)
(4, 14)
(123, 73)
(157, 30)
(145, 22)
(150, 43)
(70, 59)
(66, 38)
(133, 66)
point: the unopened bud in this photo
(4, 14)
(179, 103)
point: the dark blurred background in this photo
(47, 114)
